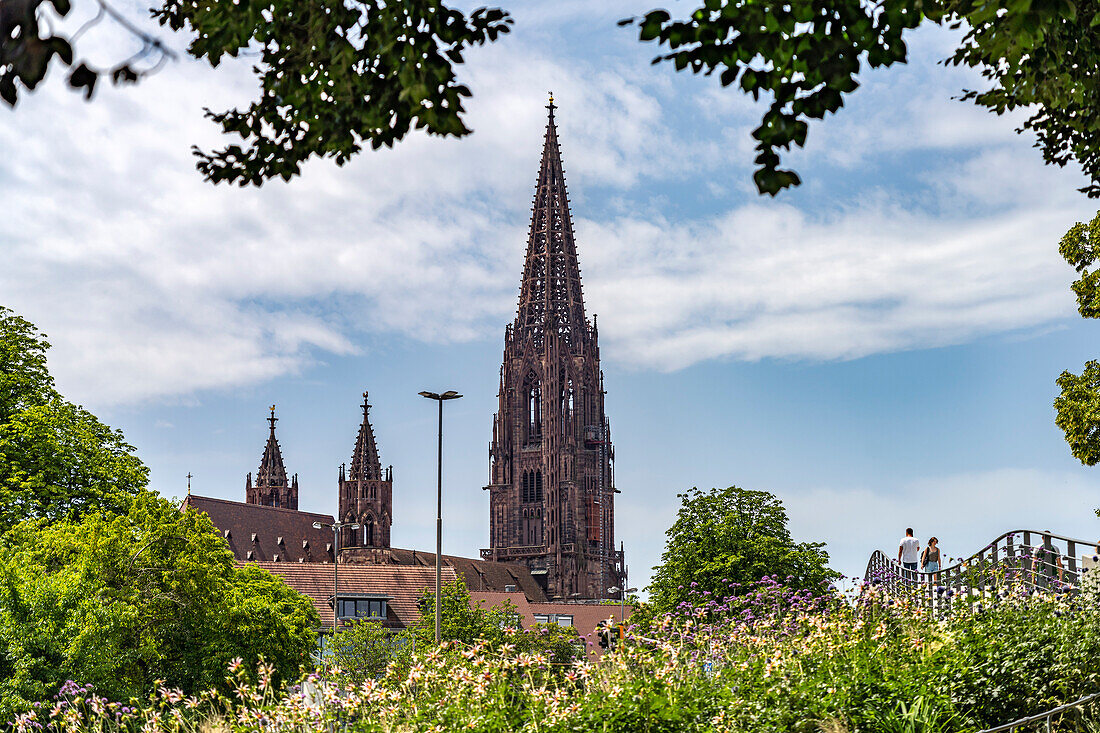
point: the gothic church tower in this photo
(551, 485)
(271, 487)
(366, 492)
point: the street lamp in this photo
(336, 527)
(440, 398)
(622, 599)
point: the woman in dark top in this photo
(930, 559)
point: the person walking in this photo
(909, 551)
(930, 558)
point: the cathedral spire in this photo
(364, 459)
(550, 298)
(366, 493)
(271, 487)
(272, 471)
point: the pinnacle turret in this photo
(365, 464)
(550, 298)
(271, 487)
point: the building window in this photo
(363, 608)
(561, 619)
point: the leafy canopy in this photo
(122, 600)
(1078, 406)
(57, 460)
(733, 535)
(337, 74)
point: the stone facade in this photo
(551, 478)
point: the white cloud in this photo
(154, 284)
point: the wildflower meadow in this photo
(763, 658)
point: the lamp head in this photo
(316, 525)
(355, 526)
(430, 395)
(450, 395)
(614, 589)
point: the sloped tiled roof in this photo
(480, 575)
(586, 616)
(268, 524)
(402, 584)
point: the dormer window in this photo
(305, 544)
(363, 607)
(255, 537)
(250, 555)
(280, 542)
(226, 534)
(275, 558)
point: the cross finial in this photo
(189, 477)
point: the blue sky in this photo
(878, 347)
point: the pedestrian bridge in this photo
(1020, 560)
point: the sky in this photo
(877, 347)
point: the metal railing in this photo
(1022, 560)
(1046, 718)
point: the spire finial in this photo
(272, 419)
(189, 477)
(366, 402)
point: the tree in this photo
(1078, 406)
(734, 535)
(57, 460)
(336, 75)
(122, 600)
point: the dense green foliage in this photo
(732, 535)
(769, 660)
(806, 55)
(122, 600)
(57, 460)
(1078, 406)
(364, 649)
(336, 75)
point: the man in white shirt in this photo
(909, 550)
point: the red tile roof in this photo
(269, 533)
(402, 584)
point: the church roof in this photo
(364, 459)
(550, 296)
(266, 533)
(272, 471)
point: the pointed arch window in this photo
(532, 399)
(368, 532)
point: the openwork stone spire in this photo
(551, 482)
(550, 296)
(271, 487)
(366, 492)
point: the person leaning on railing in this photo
(1046, 559)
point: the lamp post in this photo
(336, 527)
(440, 398)
(622, 599)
